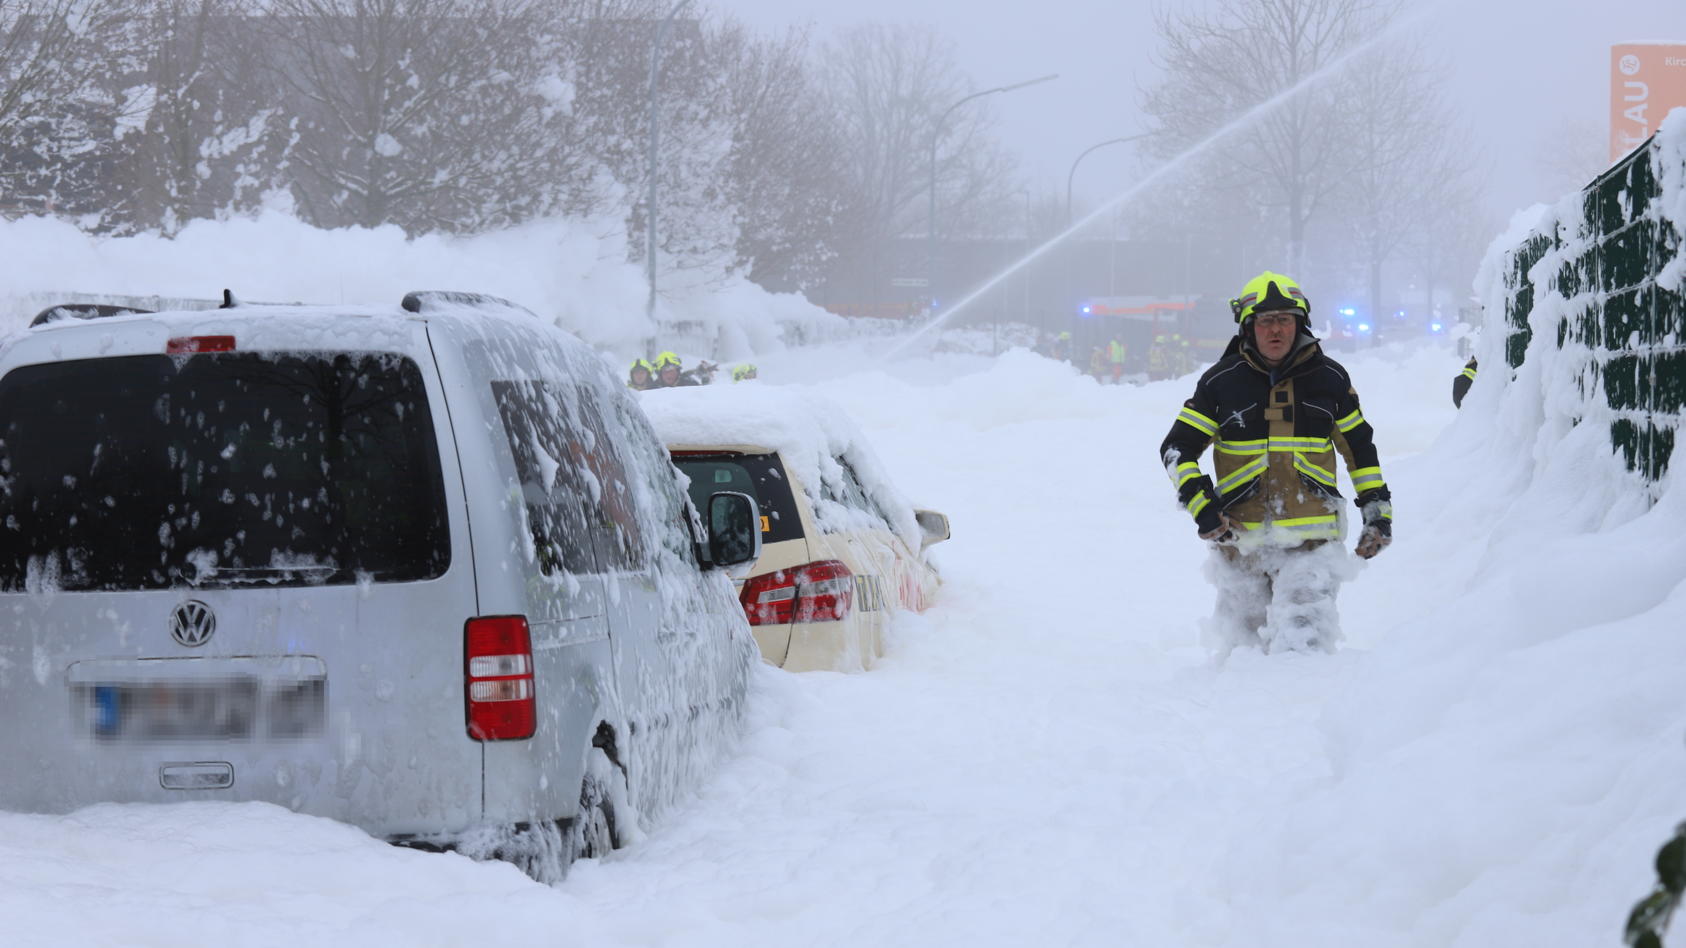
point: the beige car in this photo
(841, 548)
(823, 590)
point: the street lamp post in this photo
(1085, 154)
(650, 196)
(1068, 181)
(931, 205)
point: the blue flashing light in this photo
(1400, 314)
(1435, 327)
(1349, 311)
(1363, 327)
(1086, 310)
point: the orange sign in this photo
(1646, 80)
(1144, 309)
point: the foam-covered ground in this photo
(1049, 756)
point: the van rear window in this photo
(147, 472)
(759, 475)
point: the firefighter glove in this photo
(1378, 528)
(1216, 526)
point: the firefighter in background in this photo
(1159, 358)
(1182, 356)
(1062, 347)
(669, 372)
(1278, 410)
(641, 377)
(1169, 357)
(1461, 383)
(1097, 363)
(1115, 353)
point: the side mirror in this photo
(933, 527)
(734, 529)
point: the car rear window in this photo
(759, 475)
(226, 469)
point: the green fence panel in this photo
(1521, 300)
(1628, 331)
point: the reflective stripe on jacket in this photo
(1274, 436)
(1461, 383)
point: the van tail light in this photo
(498, 656)
(815, 592)
(188, 345)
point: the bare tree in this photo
(889, 86)
(431, 114)
(462, 115)
(698, 223)
(786, 160)
(58, 110)
(200, 134)
(1218, 66)
(603, 50)
(1404, 145)
(1451, 230)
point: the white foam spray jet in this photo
(1240, 122)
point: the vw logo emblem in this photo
(192, 623)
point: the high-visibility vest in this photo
(1116, 350)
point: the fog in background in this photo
(1530, 77)
(843, 155)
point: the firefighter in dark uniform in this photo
(1461, 383)
(1277, 410)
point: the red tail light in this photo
(188, 345)
(815, 592)
(498, 658)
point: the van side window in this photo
(660, 480)
(618, 529)
(580, 504)
(549, 462)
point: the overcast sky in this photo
(1529, 74)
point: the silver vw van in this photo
(423, 569)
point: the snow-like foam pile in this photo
(1671, 145)
(567, 271)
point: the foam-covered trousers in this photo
(1277, 598)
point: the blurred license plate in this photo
(216, 709)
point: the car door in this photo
(871, 558)
(681, 642)
(908, 580)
